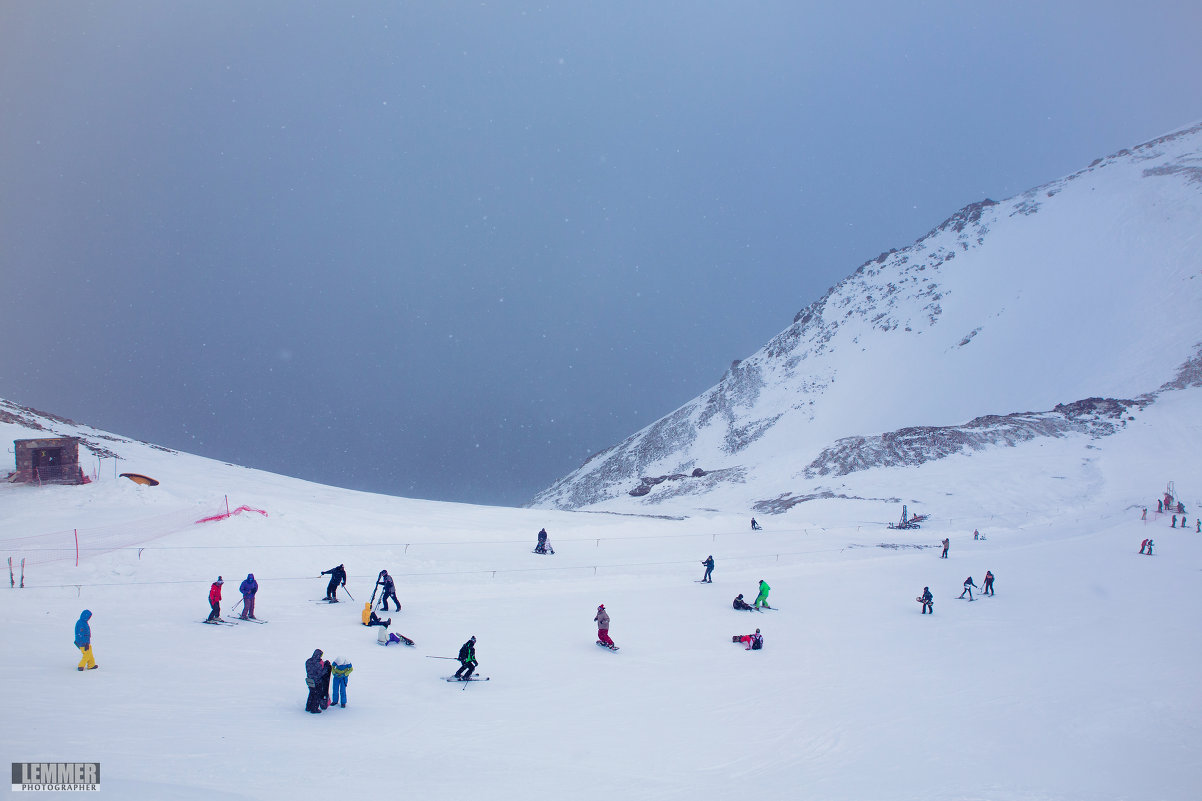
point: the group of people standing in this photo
(319, 674)
(249, 589)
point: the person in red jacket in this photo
(215, 599)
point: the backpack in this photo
(757, 642)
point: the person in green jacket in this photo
(762, 598)
(341, 672)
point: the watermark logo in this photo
(80, 777)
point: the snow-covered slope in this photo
(1076, 681)
(1088, 287)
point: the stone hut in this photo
(53, 460)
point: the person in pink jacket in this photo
(602, 620)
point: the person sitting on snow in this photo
(742, 605)
(754, 641)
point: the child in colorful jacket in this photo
(341, 671)
(83, 641)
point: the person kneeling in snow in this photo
(754, 641)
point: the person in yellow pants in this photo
(83, 641)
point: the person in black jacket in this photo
(969, 586)
(928, 601)
(313, 679)
(337, 577)
(389, 591)
(467, 660)
(742, 605)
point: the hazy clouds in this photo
(449, 250)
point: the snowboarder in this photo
(968, 588)
(313, 671)
(467, 660)
(602, 620)
(946, 545)
(762, 598)
(215, 600)
(754, 641)
(1149, 547)
(755, 526)
(342, 672)
(83, 641)
(370, 618)
(543, 546)
(1143, 546)
(927, 600)
(248, 588)
(987, 589)
(389, 591)
(337, 577)
(709, 568)
(742, 605)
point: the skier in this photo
(602, 620)
(1143, 546)
(946, 544)
(83, 641)
(313, 670)
(762, 598)
(987, 589)
(754, 641)
(1174, 522)
(968, 588)
(1159, 506)
(755, 526)
(467, 660)
(709, 568)
(742, 605)
(337, 576)
(1198, 527)
(976, 535)
(215, 600)
(248, 588)
(1149, 547)
(928, 601)
(389, 591)
(342, 672)
(1144, 514)
(543, 546)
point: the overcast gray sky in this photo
(449, 250)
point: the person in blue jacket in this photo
(709, 568)
(248, 588)
(83, 641)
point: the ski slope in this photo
(1076, 681)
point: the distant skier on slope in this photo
(248, 588)
(968, 588)
(467, 660)
(709, 568)
(987, 589)
(742, 605)
(946, 545)
(543, 545)
(1149, 547)
(755, 526)
(1143, 546)
(215, 600)
(337, 577)
(927, 600)
(602, 621)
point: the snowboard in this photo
(607, 647)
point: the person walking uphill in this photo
(342, 672)
(215, 600)
(709, 568)
(762, 598)
(83, 641)
(467, 659)
(389, 591)
(602, 620)
(248, 588)
(314, 668)
(337, 577)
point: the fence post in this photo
(77, 547)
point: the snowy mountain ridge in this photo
(1078, 289)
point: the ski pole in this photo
(348, 592)
(442, 657)
(235, 606)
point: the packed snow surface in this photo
(1078, 680)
